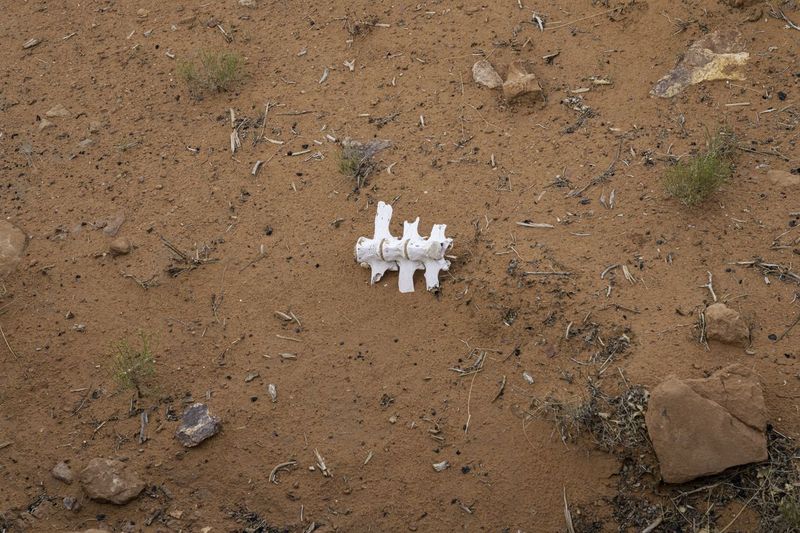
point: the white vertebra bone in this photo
(409, 253)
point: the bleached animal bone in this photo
(409, 253)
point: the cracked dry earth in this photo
(371, 369)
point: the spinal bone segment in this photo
(411, 252)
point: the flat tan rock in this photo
(716, 56)
(521, 83)
(57, 111)
(782, 178)
(13, 242)
(107, 480)
(484, 74)
(701, 427)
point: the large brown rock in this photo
(12, 246)
(521, 83)
(700, 427)
(726, 325)
(107, 480)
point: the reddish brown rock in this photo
(521, 83)
(700, 427)
(63, 472)
(107, 480)
(726, 325)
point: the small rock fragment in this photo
(113, 224)
(107, 480)
(72, 504)
(13, 242)
(142, 13)
(782, 178)
(94, 126)
(521, 83)
(726, 325)
(484, 74)
(189, 21)
(250, 377)
(700, 427)
(86, 143)
(57, 111)
(120, 246)
(197, 425)
(30, 43)
(45, 124)
(63, 472)
(273, 392)
(439, 467)
(248, 3)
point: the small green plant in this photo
(694, 180)
(132, 367)
(211, 72)
(350, 164)
(355, 159)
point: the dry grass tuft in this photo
(694, 180)
(356, 159)
(133, 367)
(615, 423)
(212, 72)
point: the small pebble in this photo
(120, 246)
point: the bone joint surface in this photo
(407, 254)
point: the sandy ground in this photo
(372, 375)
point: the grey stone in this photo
(72, 504)
(197, 425)
(63, 472)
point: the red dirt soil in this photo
(355, 344)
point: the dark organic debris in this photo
(615, 423)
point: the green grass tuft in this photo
(133, 367)
(694, 180)
(212, 72)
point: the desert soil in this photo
(373, 372)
